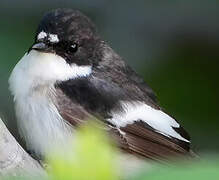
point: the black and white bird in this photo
(70, 75)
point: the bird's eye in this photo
(73, 48)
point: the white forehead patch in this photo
(53, 38)
(41, 35)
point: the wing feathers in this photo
(142, 132)
(159, 144)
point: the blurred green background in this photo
(174, 45)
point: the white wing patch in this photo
(157, 119)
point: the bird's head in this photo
(68, 34)
(65, 47)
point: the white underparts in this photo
(32, 84)
(40, 123)
(157, 119)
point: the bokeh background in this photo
(174, 45)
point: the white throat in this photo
(40, 69)
(32, 85)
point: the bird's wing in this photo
(138, 128)
(140, 139)
(72, 112)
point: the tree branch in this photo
(13, 159)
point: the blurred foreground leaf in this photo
(89, 156)
(201, 170)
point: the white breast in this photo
(32, 84)
(39, 121)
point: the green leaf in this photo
(200, 170)
(89, 156)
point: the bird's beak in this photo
(41, 46)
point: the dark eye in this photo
(73, 48)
